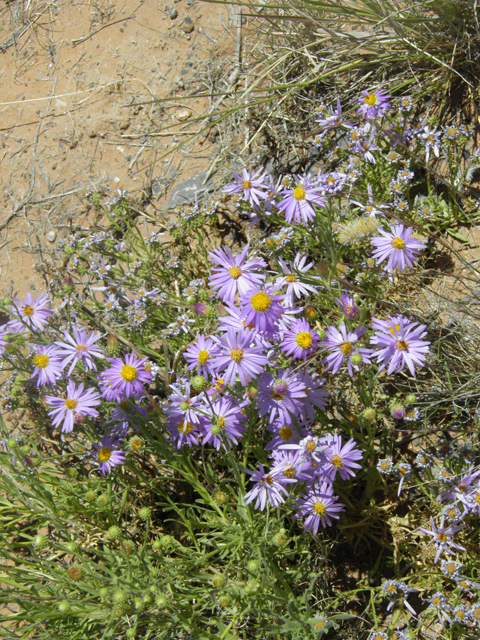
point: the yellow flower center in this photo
(398, 243)
(291, 279)
(247, 184)
(221, 422)
(236, 355)
(346, 348)
(371, 99)
(285, 433)
(203, 356)
(104, 454)
(311, 446)
(299, 193)
(81, 347)
(396, 327)
(261, 302)
(290, 472)
(71, 404)
(320, 624)
(392, 589)
(310, 313)
(442, 537)
(402, 345)
(319, 508)
(128, 373)
(476, 613)
(28, 311)
(184, 427)
(304, 340)
(385, 465)
(268, 480)
(460, 615)
(235, 272)
(41, 361)
(450, 568)
(477, 498)
(436, 602)
(402, 470)
(336, 461)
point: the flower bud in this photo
(253, 566)
(25, 449)
(251, 392)
(12, 443)
(72, 547)
(280, 539)
(398, 411)
(147, 598)
(215, 430)
(130, 633)
(40, 541)
(75, 572)
(114, 532)
(157, 545)
(356, 358)
(224, 600)
(136, 443)
(90, 495)
(411, 399)
(64, 607)
(161, 602)
(219, 581)
(68, 285)
(138, 604)
(102, 501)
(198, 383)
(119, 596)
(71, 473)
(144, 513)
(369, 414)
(129, 546)
(310, 312)
(103, 593)
(220, 497)
(184, 406)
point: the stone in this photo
(173, 13)
(183, 114)
(51, 235)
(187, 27)
(184, 192)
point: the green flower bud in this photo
(184, 406)
(251, 586)
(119, 596)
(157, 544)
(215, 430)
(109, 243)
(147, 598)
(144, 513)
(138, 604)
(103, 593)
(16, 392)
(136, 443)
(72, 547)
(219, 581)
(190, 299)
(75, 572)
(220, 497)
(253, 566)
(90, 496)
(161, 602)
(280, 539)
(167, 541)
(82, 269)
(71, 473)
(129, 546)
(369, 414)
(153, 588)
(114, 532)
(25, 449)
(40, 541)
(198, 383)
(130, 633)
(12, 443)
(102, 501)
(356, 359)
(224, 600)
(68, 251)
(411, 399)
(64, 607)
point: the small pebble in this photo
(51, 235)
(173, 13)
(183, 114)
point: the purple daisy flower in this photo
(297, 202)
(290, 277)
(125, 377)
(234, 273)
(80, 347)
(300, 341)
(347, 305)
(373, 104)
(341, 344)
(401, 343)
(295, 466)
(182, 405)
(223, 425)
(342, 459)
(108, 455)
(318, 507)
(280, 397)
(32, 314)
(334, 119)
(48, 365)
(199, 356)
(238, 358)
(442, 538)
(315, 394)
(250, 186)
(269, 487)
(398, 246)
(284, 434)
(183, 431)
(262, 308)
(78, 403)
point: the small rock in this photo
(187, 27)
(183, 114)
(184, 192)
(173, 13)
(51, 235)
(190, 3)
(156, 188)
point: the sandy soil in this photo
(95, 97)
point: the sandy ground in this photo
(95, 97)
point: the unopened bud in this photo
(219, 581)
(356, 358)
(198, 383)
(369, 414)
(411, 399)
(114, 532)
(40, 541)
(220, 497)
(144, 513)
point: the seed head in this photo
(114, 532)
